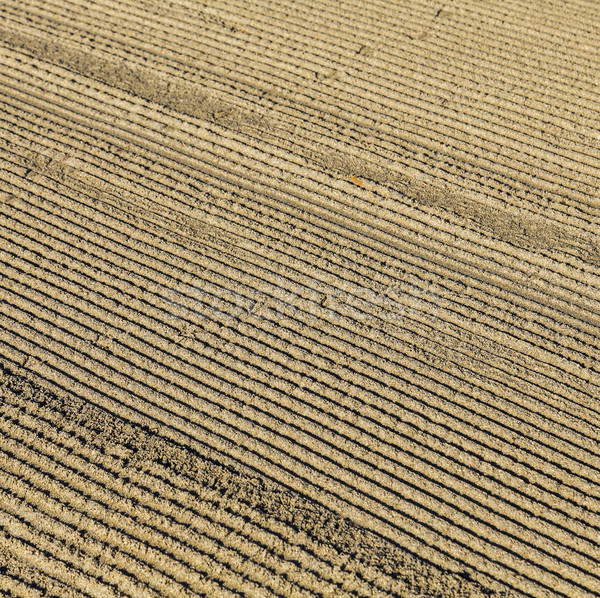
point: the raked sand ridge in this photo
(299, 298)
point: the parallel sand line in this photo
(340, 13)
(297, 480)
(476, 206)
(59, 560)
(132, 35)
(256, 493)
(491, 7)
(136, 505)
(63, 169)
(132, 297)
(73, 247)
(473, 204)
(32, 517)
(141, 26)
(369, 347)
(106, 534)
(344, 9)
(439, 455)
(54, 455)
(178, 504)
(19, 580)
(20, 538)
(66, 169)
(167, 19)
(96, 38)
(398, 533)
(350, 49)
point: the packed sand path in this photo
(299, 298)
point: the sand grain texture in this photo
(299, 298)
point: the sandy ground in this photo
(299, 298)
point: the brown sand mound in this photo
(299, 298)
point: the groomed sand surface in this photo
(299, 298)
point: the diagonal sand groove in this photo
(236, 522)
(299, 298)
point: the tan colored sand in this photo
(299, 298)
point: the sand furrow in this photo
(119, 439)
(114, 15)
(299, 299)
(229, 113)
(183, 506)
